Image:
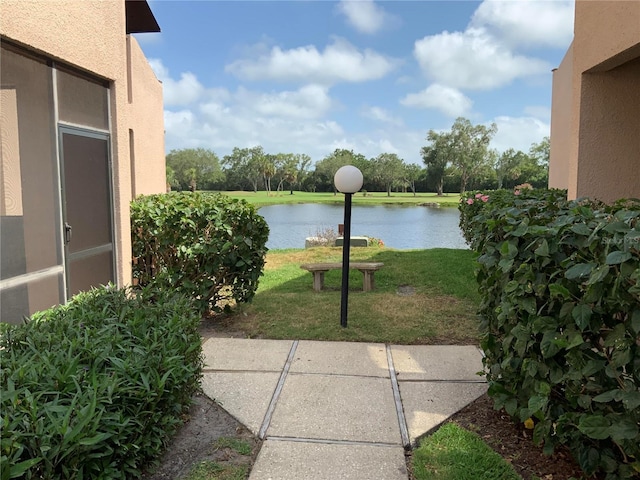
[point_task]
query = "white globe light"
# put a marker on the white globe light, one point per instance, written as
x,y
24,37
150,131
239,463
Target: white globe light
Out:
x,y
348,179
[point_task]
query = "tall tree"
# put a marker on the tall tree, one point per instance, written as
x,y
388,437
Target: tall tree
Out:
x,y
329,165
410,176
437,156
537,170
268,168
244,167
291,168
191,166
471,148
388,169
303,162
508,165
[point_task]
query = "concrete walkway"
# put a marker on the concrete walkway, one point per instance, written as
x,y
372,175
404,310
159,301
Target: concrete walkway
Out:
x,y
338,410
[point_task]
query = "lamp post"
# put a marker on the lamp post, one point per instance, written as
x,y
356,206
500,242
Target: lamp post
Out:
x,y
348,180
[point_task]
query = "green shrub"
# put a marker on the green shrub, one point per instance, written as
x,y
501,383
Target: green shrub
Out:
x,y
476,203
209,247
560,310
94,389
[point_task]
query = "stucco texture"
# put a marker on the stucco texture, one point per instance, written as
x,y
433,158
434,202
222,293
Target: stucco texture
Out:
x,y
595,124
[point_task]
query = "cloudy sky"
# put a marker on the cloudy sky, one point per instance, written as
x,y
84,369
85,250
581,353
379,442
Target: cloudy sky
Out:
x,y
372,76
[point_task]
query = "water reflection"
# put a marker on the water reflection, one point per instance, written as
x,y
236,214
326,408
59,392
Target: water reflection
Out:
x,y
399,227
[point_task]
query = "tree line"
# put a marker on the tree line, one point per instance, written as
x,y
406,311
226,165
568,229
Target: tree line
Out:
x,y
453,161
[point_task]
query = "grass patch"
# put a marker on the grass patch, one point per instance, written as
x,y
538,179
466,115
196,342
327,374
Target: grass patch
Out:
x,y
441,309
371,198
209,470
453,453
239,446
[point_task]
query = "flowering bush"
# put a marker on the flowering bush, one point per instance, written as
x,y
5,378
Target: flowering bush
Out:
x,y
375,242
517,190
560,320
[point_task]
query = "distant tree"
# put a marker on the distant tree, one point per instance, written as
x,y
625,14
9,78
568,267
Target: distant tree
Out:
x,y
508,165
172,182
537,169
437,156
470,148
244,166
329,165
388,169
291,168
268,168
191,166
541,151
410,175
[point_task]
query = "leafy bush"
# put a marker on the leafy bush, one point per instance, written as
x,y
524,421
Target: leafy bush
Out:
x,y
475,203
209,247
94,388
560,310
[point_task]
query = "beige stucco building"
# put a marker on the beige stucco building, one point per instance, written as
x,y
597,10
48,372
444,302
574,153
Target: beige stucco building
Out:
x,y
81,122
595,120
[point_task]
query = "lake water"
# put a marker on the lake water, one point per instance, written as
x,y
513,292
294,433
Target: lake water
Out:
x,y
400,227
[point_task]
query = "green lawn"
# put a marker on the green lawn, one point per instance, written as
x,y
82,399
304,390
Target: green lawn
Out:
x,y
442,308
372,198
453,453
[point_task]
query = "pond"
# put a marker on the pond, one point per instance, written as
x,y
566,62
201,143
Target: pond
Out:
x,y
401,227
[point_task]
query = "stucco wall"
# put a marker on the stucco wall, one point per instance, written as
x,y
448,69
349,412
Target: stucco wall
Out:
x,y
609,148
147,124
562,138
603,29
87,33
594,135
91,35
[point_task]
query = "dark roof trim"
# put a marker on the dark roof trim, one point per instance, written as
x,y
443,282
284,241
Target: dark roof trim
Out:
x,y
140,18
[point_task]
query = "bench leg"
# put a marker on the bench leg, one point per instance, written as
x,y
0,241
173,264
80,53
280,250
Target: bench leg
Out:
x,y
368,281
318,281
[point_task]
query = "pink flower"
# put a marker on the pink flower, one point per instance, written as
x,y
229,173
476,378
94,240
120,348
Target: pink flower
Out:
x,y
484,198
517,192
469,201
478,195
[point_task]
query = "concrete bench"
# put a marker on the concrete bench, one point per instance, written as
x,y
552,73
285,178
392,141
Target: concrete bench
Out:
x,y
367,268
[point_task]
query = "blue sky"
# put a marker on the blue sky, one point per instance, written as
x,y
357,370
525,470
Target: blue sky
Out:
x,y
372,76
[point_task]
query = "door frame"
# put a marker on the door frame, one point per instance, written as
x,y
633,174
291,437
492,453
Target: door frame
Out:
x,y
65,128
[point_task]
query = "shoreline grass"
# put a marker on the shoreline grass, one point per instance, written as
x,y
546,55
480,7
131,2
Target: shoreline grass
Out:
x,y
261,198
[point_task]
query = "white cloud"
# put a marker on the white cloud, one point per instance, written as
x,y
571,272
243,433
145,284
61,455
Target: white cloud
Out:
x,y
518,132
366,16
339,62
381,115
450,101
310,101
473,60
528,23
185,91
541,112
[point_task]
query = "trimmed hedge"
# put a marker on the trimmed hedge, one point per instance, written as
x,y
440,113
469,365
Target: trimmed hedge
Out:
x,y
560,319
206,246
95,388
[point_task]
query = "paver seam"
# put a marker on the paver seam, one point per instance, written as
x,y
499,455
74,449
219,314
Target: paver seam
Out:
x,y
402,421
438,380
224,370
344,375
331,442
276,394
